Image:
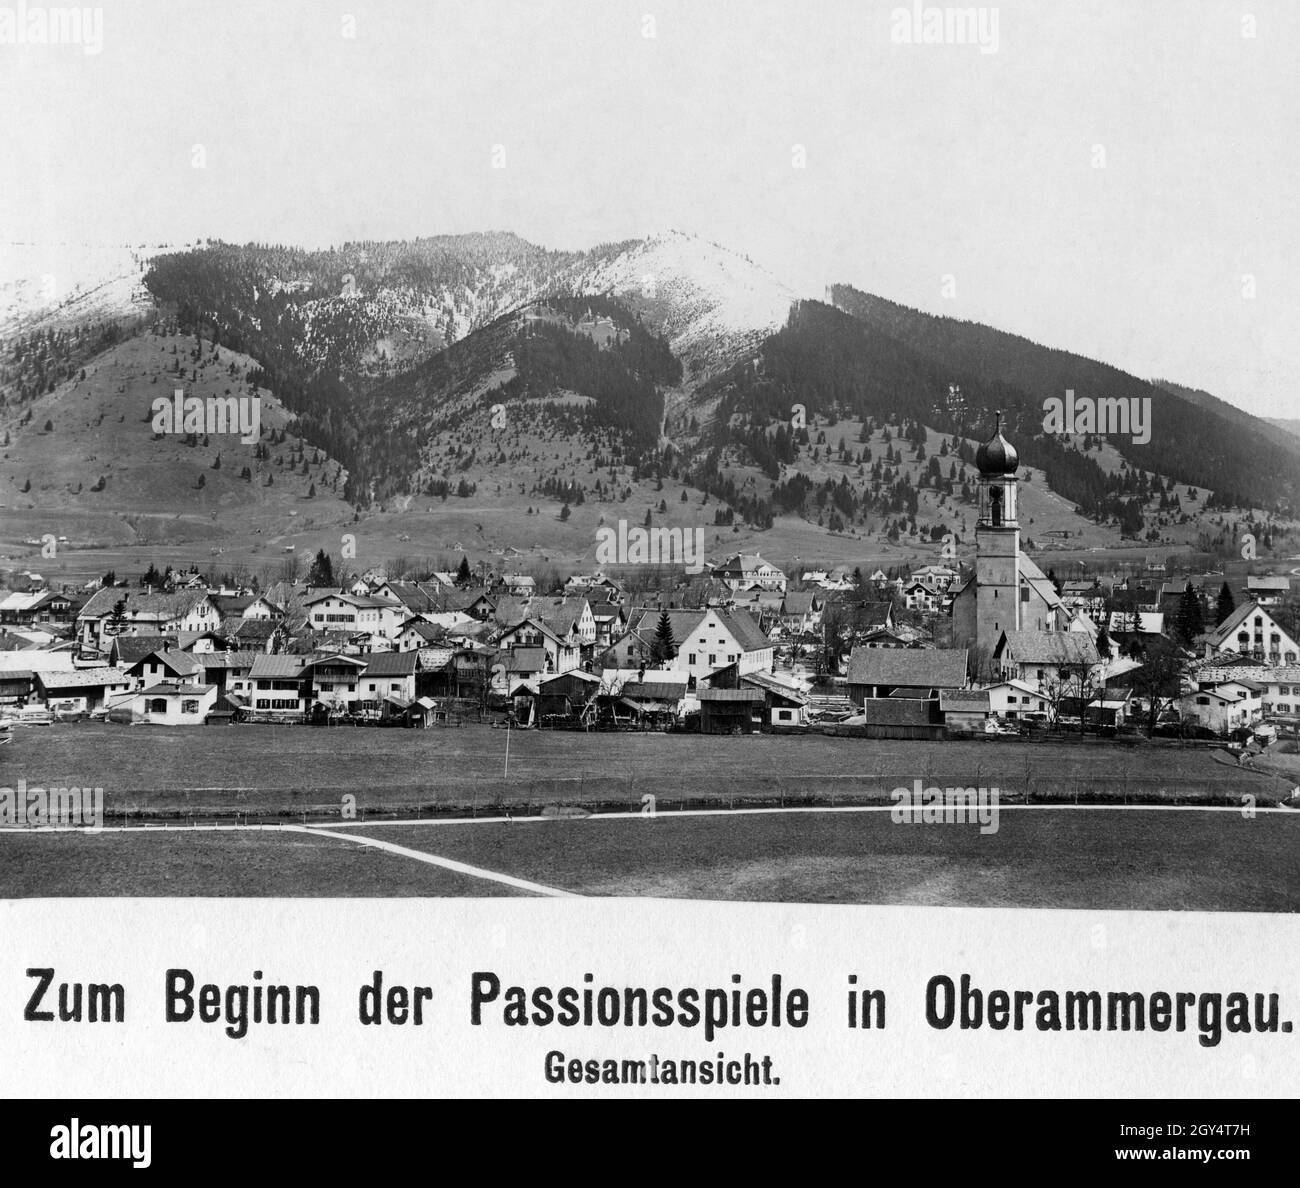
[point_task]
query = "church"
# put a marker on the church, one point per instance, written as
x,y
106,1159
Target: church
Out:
x,y
1008,593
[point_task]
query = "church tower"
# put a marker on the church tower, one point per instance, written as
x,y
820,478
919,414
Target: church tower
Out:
x,y
997,541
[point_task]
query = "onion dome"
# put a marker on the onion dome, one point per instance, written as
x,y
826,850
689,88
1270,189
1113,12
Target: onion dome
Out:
x,y
997,456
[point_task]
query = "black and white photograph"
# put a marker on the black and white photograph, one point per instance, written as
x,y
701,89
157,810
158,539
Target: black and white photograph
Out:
x,y
808,456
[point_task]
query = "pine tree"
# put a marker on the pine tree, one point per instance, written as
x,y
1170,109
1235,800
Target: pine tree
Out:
x,y
665,646
1225,605
463,574
321,572
1190,621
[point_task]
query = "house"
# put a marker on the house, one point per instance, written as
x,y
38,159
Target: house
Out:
x,y
229,671
964,710
559,653
334,610
40,608
126,650
784,706
610,621
652,703
417,599
1016,700
522,666
334,680
870,616
571,618
1085,598
801,611
747,571
920,673
594,587
940,577
277,685
389,680
1251,631
416,634
1225,706
82,690
166,664
891,637
705,640
519,585
173,703
1046,658
1266,589
764,606
1279,689
262,635
920,595
114,611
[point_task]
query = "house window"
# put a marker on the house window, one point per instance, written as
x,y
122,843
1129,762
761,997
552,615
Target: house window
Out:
x,y
158,705
691,658
713,659
190,705
784,715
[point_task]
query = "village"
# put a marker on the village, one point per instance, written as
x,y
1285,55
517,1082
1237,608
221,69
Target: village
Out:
x,y
992,647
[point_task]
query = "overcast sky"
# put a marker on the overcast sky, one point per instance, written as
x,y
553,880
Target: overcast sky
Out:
x,y
920,161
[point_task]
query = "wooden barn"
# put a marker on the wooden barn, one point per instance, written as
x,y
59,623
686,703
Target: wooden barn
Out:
x,y
732,711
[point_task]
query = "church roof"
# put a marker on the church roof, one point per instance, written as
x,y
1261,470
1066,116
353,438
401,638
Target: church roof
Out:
x,y
997,455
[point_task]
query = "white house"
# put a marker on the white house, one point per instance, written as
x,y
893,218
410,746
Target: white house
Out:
x,y
1013,700
1225,706
560,653
115,611
352,613
172,703
704,641
1252,631
746,571
167,665
276,685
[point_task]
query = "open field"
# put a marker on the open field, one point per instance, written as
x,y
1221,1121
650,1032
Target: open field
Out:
x,y
1051,858
202,862
296,772
1067,857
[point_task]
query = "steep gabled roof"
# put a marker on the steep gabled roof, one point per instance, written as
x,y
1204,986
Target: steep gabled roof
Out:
x,y
1048,647
387,664
82,678
167,605
277,667
181,663
920,668
1218,635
